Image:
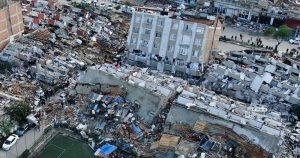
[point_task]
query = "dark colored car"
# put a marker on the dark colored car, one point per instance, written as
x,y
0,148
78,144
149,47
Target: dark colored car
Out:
x,y
22,129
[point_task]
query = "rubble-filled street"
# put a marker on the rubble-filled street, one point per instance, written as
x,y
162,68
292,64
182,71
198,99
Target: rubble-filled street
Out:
x,y
118,79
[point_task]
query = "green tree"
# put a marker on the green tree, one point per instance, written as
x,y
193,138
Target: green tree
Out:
x,y
5,127
296,110
127,3
281,33
18,112
4,67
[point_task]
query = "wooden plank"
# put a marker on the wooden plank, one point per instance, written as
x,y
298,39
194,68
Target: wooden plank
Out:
x,y
199,126
167,140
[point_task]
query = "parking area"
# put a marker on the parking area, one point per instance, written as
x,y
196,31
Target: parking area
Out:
x,y
24,142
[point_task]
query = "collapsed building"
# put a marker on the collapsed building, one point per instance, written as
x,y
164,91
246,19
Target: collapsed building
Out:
x,y
149,88
49,66
252,123
95,30
257,80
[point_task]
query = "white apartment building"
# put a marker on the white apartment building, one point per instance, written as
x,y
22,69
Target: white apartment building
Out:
x,y
170,42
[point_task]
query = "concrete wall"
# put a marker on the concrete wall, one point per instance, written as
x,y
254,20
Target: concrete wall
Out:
x,y
208,40
150,104
11,23
180,115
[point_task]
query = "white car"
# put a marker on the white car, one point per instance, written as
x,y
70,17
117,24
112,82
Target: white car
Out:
x,y
295,41
9,142
109,7
102,5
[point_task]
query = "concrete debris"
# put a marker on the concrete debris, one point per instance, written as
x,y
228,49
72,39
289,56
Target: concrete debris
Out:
x,y
70,68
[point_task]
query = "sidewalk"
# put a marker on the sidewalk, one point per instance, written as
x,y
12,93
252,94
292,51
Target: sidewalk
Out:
x,y
25,142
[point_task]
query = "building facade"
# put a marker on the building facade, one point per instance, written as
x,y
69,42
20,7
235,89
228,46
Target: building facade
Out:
x,y
187,2
11,22
166,42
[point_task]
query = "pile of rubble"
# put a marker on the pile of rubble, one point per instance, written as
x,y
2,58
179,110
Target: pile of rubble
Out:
x,y
80,28
41,63
153,80
255,79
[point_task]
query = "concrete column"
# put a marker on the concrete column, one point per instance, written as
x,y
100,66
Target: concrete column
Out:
x,y
272,20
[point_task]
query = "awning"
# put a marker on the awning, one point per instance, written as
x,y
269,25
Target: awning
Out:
x,y
293,23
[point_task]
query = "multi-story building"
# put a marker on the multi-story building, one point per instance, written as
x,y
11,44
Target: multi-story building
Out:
x,y
11,21
187,2
172,42
260,11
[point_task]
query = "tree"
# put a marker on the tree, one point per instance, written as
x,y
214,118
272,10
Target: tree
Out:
x,y
281,33
5,127
18,112
127,3
4,67
296,110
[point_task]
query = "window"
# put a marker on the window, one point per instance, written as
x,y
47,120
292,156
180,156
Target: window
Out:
x,y
144,43
198,42
170,48
135,30
149,21
183,50
137,19
147,32
160,22
186,40
195,53
187,28
244,14
175,25
156,45
173,37
158,34
133,41
200,30
180,62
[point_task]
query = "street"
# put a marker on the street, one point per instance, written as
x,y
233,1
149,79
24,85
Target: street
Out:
x,y
24,142
266,41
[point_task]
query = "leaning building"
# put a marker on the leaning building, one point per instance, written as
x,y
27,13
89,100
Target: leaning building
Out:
x,y
170,41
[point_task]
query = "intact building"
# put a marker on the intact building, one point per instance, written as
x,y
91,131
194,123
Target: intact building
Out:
x,y
11,21
168,41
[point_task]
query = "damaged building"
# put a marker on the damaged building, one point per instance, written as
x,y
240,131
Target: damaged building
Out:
x,y
173,42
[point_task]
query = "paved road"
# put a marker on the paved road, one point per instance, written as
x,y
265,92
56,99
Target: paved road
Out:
x,y
230,47
229,31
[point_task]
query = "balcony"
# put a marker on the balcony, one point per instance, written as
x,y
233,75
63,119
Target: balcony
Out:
x,y
168,67
153,64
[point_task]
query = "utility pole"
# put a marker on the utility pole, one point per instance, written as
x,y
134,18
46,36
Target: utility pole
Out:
x,y
215,26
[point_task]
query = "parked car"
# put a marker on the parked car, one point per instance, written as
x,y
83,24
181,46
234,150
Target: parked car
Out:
x,y
86,1
22,129
110,7
295,41
102,5
116,1
9,142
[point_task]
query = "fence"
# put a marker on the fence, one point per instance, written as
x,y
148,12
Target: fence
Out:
x,y
25,142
